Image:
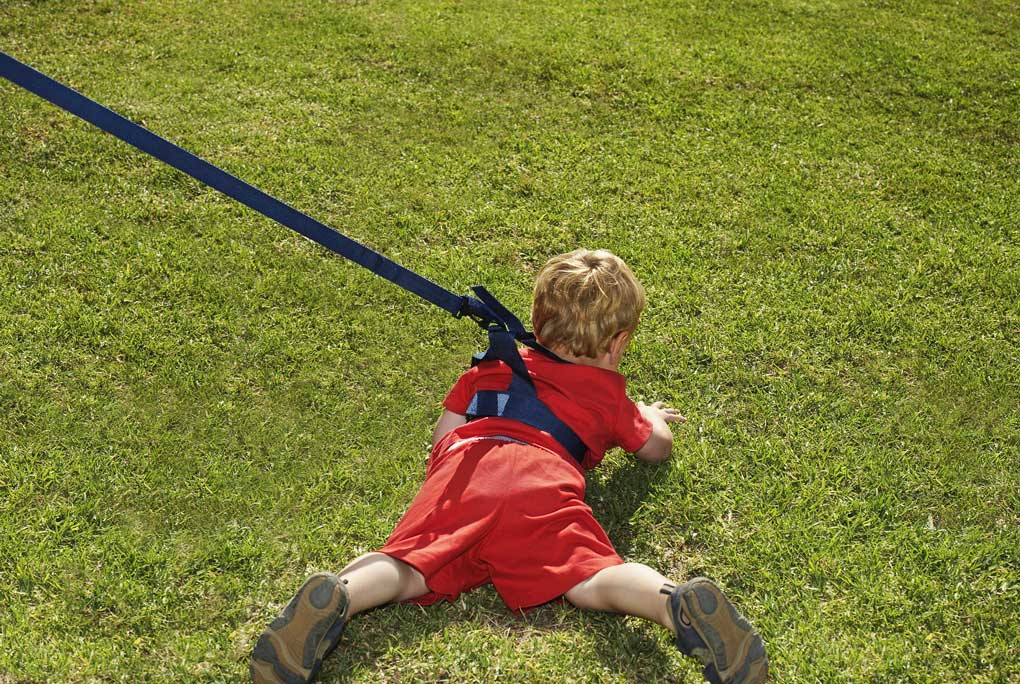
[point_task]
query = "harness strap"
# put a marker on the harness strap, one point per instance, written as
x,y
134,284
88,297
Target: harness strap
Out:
x,y
520,404
505,319
520,400
505,329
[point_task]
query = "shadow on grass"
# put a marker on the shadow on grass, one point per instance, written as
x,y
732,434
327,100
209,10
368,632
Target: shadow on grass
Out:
x,y
478,640
617,495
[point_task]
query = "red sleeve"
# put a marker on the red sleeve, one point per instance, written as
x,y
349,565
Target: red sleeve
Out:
x,y
632,429
459,396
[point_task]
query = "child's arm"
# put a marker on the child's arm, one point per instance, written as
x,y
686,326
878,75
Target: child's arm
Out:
x,y
660,442
448,421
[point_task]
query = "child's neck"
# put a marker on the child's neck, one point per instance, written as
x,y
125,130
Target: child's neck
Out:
x,y
608,361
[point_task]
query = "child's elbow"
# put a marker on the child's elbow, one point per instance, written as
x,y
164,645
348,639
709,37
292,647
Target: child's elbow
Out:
x,y
447,421
657,449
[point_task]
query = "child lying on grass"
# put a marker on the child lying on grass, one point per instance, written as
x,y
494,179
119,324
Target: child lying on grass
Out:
x,y
503,500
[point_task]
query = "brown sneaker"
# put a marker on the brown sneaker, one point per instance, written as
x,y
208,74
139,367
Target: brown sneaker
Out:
x,y
293,646
710,629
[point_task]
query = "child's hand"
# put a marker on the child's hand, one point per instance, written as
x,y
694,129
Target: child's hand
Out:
x,y
659,410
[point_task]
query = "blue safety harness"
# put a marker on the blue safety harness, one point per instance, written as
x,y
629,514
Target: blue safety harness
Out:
x,y
518,402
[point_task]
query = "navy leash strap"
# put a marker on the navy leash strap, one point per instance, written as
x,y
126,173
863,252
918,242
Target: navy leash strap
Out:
x,y
70,100
504,328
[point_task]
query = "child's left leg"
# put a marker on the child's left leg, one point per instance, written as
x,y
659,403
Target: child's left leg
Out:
x,y
376,579
701,617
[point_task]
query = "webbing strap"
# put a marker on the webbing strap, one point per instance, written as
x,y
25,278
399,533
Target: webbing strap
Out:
x,y
504,328
70,100
505,320
503,347
503,314
520,402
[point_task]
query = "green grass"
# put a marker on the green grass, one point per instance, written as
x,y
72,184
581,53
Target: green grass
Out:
x,y
198,408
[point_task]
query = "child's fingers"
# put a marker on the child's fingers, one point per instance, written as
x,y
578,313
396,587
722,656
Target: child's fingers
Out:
x,y
672,415
669,414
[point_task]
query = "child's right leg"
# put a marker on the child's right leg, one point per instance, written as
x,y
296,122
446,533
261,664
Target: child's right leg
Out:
x,y
293,646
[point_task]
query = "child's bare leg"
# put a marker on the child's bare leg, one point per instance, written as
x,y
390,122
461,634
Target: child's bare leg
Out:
x,y
293,646
705,624
376,579
631,588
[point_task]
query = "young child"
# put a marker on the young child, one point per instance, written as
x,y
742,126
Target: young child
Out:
x,y
503,501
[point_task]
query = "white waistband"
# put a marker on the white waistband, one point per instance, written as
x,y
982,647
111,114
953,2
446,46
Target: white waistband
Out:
x,y
480,438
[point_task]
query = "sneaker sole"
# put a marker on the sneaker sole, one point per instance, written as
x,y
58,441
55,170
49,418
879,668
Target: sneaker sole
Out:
x,y
737,649
293,646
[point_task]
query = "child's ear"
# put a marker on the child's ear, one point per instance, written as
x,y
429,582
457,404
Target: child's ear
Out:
x,y
619,343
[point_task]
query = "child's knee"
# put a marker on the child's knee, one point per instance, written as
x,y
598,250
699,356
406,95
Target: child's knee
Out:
x,y
581,596
586,595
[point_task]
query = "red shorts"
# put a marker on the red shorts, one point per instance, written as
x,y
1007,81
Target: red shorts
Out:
x,y
499,511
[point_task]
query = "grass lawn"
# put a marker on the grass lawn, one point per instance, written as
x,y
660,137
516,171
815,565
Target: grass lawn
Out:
x,y
198,407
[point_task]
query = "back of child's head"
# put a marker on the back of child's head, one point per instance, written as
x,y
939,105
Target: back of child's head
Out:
x,y
583,299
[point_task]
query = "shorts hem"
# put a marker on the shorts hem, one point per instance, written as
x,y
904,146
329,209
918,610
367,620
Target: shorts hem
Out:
x,y
555,588
436,592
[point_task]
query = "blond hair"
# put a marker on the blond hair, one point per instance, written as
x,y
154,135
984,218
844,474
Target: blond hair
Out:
x,y
583,299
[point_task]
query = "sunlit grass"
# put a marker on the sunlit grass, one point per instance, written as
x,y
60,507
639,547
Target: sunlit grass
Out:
x,y
197,407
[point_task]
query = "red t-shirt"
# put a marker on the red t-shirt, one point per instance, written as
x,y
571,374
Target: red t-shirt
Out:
x,y
592,401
